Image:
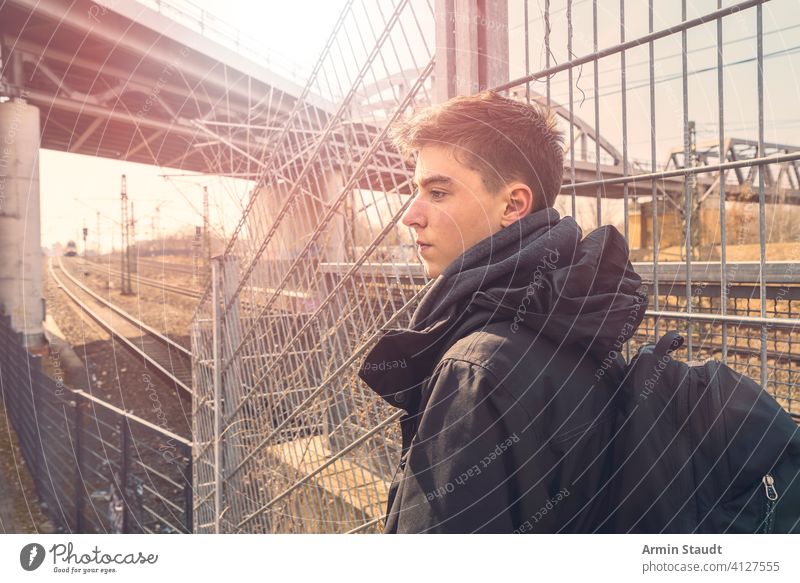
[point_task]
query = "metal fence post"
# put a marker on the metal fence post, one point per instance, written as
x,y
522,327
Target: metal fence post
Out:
x,y
231,379
35,379
124,428
79,494
217,355
188,493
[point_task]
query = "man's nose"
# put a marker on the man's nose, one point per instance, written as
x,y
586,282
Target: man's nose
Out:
x,y
415,213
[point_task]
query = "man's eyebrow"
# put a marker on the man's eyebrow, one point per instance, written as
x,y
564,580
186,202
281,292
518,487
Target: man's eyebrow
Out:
x,y
433,178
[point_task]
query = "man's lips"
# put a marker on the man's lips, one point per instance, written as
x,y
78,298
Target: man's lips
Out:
x,y
422,246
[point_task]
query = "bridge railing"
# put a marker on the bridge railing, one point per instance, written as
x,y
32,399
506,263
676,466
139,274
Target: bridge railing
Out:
x,y
217,29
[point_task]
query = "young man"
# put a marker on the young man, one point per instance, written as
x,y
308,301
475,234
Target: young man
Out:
x,y
506,362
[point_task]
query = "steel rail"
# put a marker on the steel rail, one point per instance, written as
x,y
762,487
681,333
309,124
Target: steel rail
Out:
x,y
164,340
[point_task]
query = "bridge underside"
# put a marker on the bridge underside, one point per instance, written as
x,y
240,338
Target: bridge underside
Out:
x,y
141,88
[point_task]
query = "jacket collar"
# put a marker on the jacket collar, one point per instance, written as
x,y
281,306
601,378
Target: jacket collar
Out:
x,y
403,359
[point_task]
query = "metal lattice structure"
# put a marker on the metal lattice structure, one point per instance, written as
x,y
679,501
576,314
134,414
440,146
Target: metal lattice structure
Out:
x,y
286,438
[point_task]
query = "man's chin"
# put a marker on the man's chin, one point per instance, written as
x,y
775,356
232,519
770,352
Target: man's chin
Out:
x,y
431,271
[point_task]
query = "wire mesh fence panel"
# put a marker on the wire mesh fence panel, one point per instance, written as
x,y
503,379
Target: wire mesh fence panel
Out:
x,y
96,468
287,438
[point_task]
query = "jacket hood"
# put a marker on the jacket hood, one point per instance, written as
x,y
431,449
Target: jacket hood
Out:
x,y
542,274
538,273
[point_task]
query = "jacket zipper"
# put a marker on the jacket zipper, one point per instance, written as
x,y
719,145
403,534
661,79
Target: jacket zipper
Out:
x,y
772,497
401,466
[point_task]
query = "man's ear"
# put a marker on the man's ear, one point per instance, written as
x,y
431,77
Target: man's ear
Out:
x,y
519,203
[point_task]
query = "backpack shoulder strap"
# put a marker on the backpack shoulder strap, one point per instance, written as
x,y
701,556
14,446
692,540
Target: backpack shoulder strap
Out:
x,y
669,342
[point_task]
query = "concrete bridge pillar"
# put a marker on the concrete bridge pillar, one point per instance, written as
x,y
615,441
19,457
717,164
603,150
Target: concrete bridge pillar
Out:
x,y
20,241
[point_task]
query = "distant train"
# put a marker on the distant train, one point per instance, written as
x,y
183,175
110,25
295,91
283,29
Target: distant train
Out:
x,y
71,250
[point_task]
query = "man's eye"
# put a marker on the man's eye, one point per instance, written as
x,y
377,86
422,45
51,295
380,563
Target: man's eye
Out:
x,y
437,194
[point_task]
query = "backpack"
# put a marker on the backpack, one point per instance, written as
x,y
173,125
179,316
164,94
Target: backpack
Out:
x,y
701,449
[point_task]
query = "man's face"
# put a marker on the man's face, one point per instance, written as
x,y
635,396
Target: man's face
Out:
x,y
451,211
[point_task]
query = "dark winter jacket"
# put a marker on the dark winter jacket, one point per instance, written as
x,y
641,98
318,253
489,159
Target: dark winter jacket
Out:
x,y
504,382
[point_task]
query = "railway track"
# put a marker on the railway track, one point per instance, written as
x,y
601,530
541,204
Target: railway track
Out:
x,y
293,300
174,267
170,359
142,280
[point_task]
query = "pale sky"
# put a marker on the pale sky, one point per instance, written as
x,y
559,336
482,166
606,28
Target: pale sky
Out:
x,y
295,32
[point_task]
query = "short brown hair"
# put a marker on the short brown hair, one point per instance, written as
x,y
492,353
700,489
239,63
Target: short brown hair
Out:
x,y
502,139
